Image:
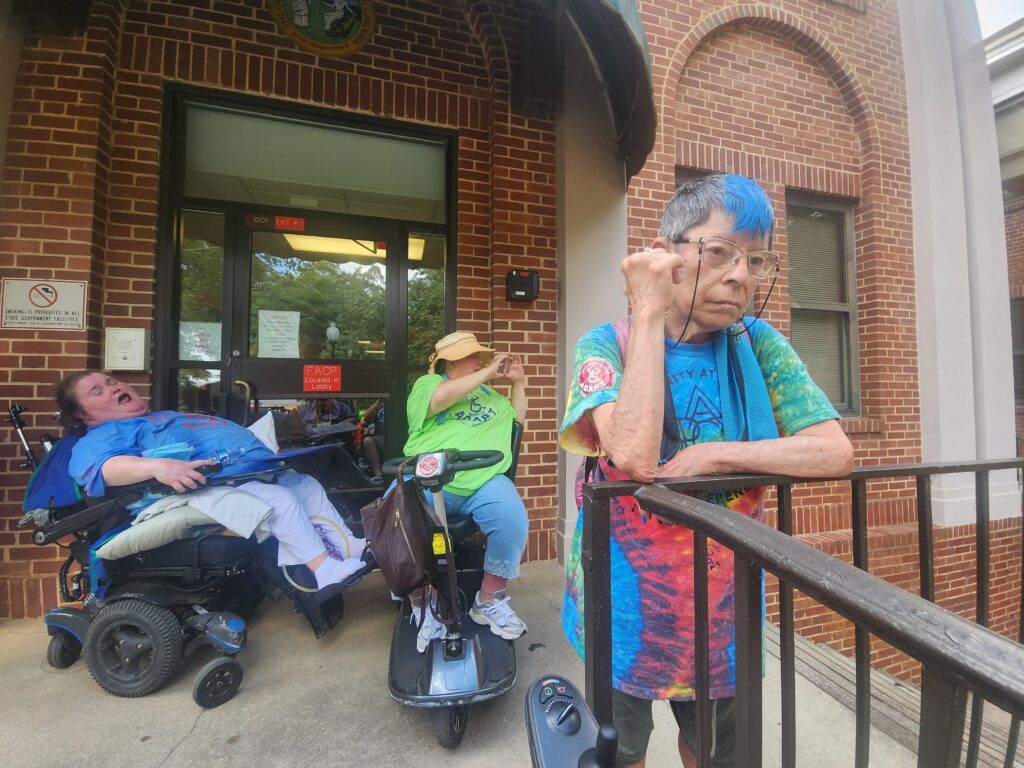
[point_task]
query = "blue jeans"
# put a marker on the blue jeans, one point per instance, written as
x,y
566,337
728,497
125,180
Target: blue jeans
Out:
x,y
499,512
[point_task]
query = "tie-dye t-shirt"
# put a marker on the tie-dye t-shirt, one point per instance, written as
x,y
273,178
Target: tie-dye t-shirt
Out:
x,y
652,562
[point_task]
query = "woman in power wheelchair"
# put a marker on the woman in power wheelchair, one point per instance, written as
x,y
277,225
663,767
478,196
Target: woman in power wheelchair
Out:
x,y
144,607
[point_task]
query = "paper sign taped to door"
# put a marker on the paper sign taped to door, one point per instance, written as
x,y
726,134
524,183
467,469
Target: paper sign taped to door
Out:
x,y
321,378
278,333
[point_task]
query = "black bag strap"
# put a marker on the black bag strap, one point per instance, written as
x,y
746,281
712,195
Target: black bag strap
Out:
x,y
671,437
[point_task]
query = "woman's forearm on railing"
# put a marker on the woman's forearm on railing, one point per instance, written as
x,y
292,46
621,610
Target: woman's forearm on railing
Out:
x,y
821,450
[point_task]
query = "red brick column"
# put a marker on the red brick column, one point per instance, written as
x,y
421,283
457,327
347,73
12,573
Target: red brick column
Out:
x,y
53,225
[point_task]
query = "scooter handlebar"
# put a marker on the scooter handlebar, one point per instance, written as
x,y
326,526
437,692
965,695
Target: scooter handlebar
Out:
x,y
467,460
476,460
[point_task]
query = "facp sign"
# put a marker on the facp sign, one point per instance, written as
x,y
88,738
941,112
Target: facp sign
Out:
x,y
321,378
42,304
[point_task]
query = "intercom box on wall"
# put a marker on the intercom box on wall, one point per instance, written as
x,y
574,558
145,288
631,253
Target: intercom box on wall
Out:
x,y
522,285
126,349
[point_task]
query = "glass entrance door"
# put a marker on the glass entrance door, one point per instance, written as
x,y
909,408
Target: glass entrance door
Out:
x,y
305,259
310,308
284,309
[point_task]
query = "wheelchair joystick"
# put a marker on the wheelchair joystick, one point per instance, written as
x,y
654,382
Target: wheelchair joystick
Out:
x,y
602,755
562,729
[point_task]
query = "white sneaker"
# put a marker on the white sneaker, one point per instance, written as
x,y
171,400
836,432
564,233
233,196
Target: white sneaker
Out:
x,y
498,614
430,629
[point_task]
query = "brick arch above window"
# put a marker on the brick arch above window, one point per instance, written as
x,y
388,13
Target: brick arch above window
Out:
x,y
805,37
754,92
486,28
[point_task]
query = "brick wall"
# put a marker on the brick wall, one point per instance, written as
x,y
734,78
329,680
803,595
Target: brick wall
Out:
x,y
809,96
79,193
1014,219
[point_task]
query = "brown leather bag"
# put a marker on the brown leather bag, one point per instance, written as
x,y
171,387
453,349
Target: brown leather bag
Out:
x,y
395,527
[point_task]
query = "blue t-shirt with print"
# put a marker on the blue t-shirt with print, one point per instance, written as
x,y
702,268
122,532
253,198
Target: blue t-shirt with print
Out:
x,y
211,437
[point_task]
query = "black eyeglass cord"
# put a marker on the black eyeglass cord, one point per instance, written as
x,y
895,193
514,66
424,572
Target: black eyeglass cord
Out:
x,y
725,331
696,282
746,328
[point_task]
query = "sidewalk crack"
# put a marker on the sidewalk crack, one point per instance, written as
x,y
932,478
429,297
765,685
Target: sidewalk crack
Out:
x,y
182,740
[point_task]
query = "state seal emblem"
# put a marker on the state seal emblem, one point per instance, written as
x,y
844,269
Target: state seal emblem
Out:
x,y
327,27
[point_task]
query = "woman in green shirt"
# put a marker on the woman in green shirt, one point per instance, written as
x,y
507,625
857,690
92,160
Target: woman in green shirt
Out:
x,y
453,406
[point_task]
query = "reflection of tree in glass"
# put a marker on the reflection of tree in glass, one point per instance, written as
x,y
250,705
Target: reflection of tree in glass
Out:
x,y
322,292
426,315
201,272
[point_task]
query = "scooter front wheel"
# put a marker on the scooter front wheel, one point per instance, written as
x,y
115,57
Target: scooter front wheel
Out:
x,y
450,726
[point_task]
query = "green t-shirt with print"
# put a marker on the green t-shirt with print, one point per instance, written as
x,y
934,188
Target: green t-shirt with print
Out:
x,y
480,421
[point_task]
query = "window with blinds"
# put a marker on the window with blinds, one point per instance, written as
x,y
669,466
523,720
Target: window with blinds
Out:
x,y
823,306
1017,336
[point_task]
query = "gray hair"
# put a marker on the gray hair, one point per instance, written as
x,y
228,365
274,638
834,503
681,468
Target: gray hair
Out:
x,y
694,201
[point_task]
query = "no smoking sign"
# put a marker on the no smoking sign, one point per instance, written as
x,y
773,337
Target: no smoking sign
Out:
x,y
42,304
42,295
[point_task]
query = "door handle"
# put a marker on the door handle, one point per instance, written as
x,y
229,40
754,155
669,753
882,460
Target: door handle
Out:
x,y
247,390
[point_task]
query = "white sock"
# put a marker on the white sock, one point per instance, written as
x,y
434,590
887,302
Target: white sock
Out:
x,y
340,544
332,571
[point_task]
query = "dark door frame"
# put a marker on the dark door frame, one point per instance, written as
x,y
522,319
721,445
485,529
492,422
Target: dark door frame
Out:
x,y
177,98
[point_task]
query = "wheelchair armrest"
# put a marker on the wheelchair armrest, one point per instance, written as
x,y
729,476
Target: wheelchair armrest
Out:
x,y
152,485
77,521
99,507
121,495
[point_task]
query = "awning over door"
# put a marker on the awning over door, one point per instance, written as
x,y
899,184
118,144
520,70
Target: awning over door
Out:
x,y
613,32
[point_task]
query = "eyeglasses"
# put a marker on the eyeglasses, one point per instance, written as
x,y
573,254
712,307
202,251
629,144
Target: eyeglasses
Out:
x,y
722,254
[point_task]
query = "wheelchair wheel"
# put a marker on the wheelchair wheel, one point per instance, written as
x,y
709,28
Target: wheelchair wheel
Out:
x,y
133,647
63,650
450,725
217,682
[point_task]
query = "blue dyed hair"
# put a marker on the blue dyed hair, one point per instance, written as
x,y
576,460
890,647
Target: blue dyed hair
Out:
x,y
738,196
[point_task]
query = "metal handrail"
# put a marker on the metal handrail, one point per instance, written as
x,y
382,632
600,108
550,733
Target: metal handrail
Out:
x,y
957,655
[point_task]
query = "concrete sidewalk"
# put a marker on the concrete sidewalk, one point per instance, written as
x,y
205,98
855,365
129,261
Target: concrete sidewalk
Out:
x,y
325,703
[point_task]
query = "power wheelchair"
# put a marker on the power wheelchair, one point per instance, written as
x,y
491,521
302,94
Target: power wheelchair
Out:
x,y
141,614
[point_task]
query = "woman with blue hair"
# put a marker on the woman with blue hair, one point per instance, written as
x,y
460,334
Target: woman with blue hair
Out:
x,y
689,385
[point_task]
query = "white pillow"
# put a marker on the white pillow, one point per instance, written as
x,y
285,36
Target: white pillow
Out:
x,y
155,532
263,428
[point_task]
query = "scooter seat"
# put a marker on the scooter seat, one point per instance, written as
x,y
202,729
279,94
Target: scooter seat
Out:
x,y
462,528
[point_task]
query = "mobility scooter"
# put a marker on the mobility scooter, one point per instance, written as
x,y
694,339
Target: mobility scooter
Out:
x,y
468,663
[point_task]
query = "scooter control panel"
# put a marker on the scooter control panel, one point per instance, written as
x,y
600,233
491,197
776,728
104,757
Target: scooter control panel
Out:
x,y
561,728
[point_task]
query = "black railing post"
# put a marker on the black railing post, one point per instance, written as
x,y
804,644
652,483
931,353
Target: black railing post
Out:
x,y
787,648
702,694
925,537
943,707
862,639
1011,742
981,502
749,580
596,559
